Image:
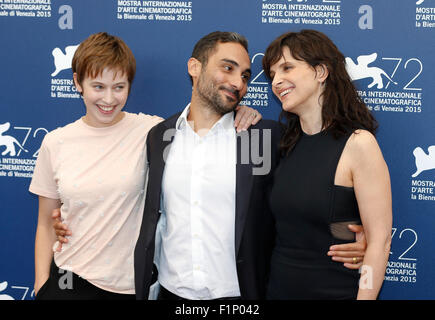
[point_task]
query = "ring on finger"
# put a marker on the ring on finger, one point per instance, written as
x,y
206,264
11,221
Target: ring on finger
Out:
x,y
354,260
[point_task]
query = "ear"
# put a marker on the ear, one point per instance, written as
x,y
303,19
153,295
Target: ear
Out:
x,y
76,83
194,67
322,72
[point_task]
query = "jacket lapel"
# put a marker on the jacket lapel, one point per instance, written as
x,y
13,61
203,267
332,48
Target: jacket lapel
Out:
x,y
244,183
158,156
166,137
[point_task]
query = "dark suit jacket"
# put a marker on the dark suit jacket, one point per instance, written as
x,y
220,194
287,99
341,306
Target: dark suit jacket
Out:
x,y
253,226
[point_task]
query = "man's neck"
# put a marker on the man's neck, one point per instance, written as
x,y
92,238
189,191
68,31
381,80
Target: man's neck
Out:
x,y
202,118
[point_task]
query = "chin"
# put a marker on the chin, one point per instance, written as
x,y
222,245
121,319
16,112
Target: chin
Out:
x,y
222,108
288,107
230,108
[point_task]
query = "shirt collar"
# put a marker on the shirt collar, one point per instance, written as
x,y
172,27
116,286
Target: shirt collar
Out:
x,y
226,122
182,119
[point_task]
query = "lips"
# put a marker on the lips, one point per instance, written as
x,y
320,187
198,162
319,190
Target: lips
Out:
x,y
233,94
106,109
285,92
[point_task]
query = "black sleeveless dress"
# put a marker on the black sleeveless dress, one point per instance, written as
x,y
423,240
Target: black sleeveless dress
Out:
x,y
311,214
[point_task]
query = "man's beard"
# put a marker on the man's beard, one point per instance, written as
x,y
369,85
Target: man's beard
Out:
x,y
214,100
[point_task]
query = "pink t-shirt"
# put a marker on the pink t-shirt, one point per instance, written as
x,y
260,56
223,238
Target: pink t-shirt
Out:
x,y
99,174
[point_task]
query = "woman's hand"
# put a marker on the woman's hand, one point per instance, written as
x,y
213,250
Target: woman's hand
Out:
x,y
246,117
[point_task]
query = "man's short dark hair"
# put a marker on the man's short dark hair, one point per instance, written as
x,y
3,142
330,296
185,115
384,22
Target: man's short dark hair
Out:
x,y
207,44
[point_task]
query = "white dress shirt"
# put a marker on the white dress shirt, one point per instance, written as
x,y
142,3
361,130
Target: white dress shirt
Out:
x,y
197,257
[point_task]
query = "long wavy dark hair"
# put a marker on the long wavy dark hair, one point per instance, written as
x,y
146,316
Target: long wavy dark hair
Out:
x,y
342,108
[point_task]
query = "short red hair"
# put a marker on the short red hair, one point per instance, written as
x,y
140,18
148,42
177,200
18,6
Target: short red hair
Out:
x,y
100,51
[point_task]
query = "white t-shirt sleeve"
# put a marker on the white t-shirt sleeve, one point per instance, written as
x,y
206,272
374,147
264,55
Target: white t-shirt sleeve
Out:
x,y
43,182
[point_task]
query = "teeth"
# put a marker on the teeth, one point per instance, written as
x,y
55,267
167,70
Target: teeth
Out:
x,y
282,94
106,108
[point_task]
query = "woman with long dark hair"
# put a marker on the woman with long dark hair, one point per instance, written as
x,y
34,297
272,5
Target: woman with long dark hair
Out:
x,y
332,174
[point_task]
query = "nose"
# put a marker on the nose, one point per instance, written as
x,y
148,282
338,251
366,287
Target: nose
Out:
x,y
277,81
109,96
237,82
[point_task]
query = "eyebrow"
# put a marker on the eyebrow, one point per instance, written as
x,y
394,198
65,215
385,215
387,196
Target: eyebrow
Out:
x,y
99,82
281,65
234,63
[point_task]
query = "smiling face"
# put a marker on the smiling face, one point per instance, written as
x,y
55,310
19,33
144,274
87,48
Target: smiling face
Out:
x,y
104,97
222,82
297,84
